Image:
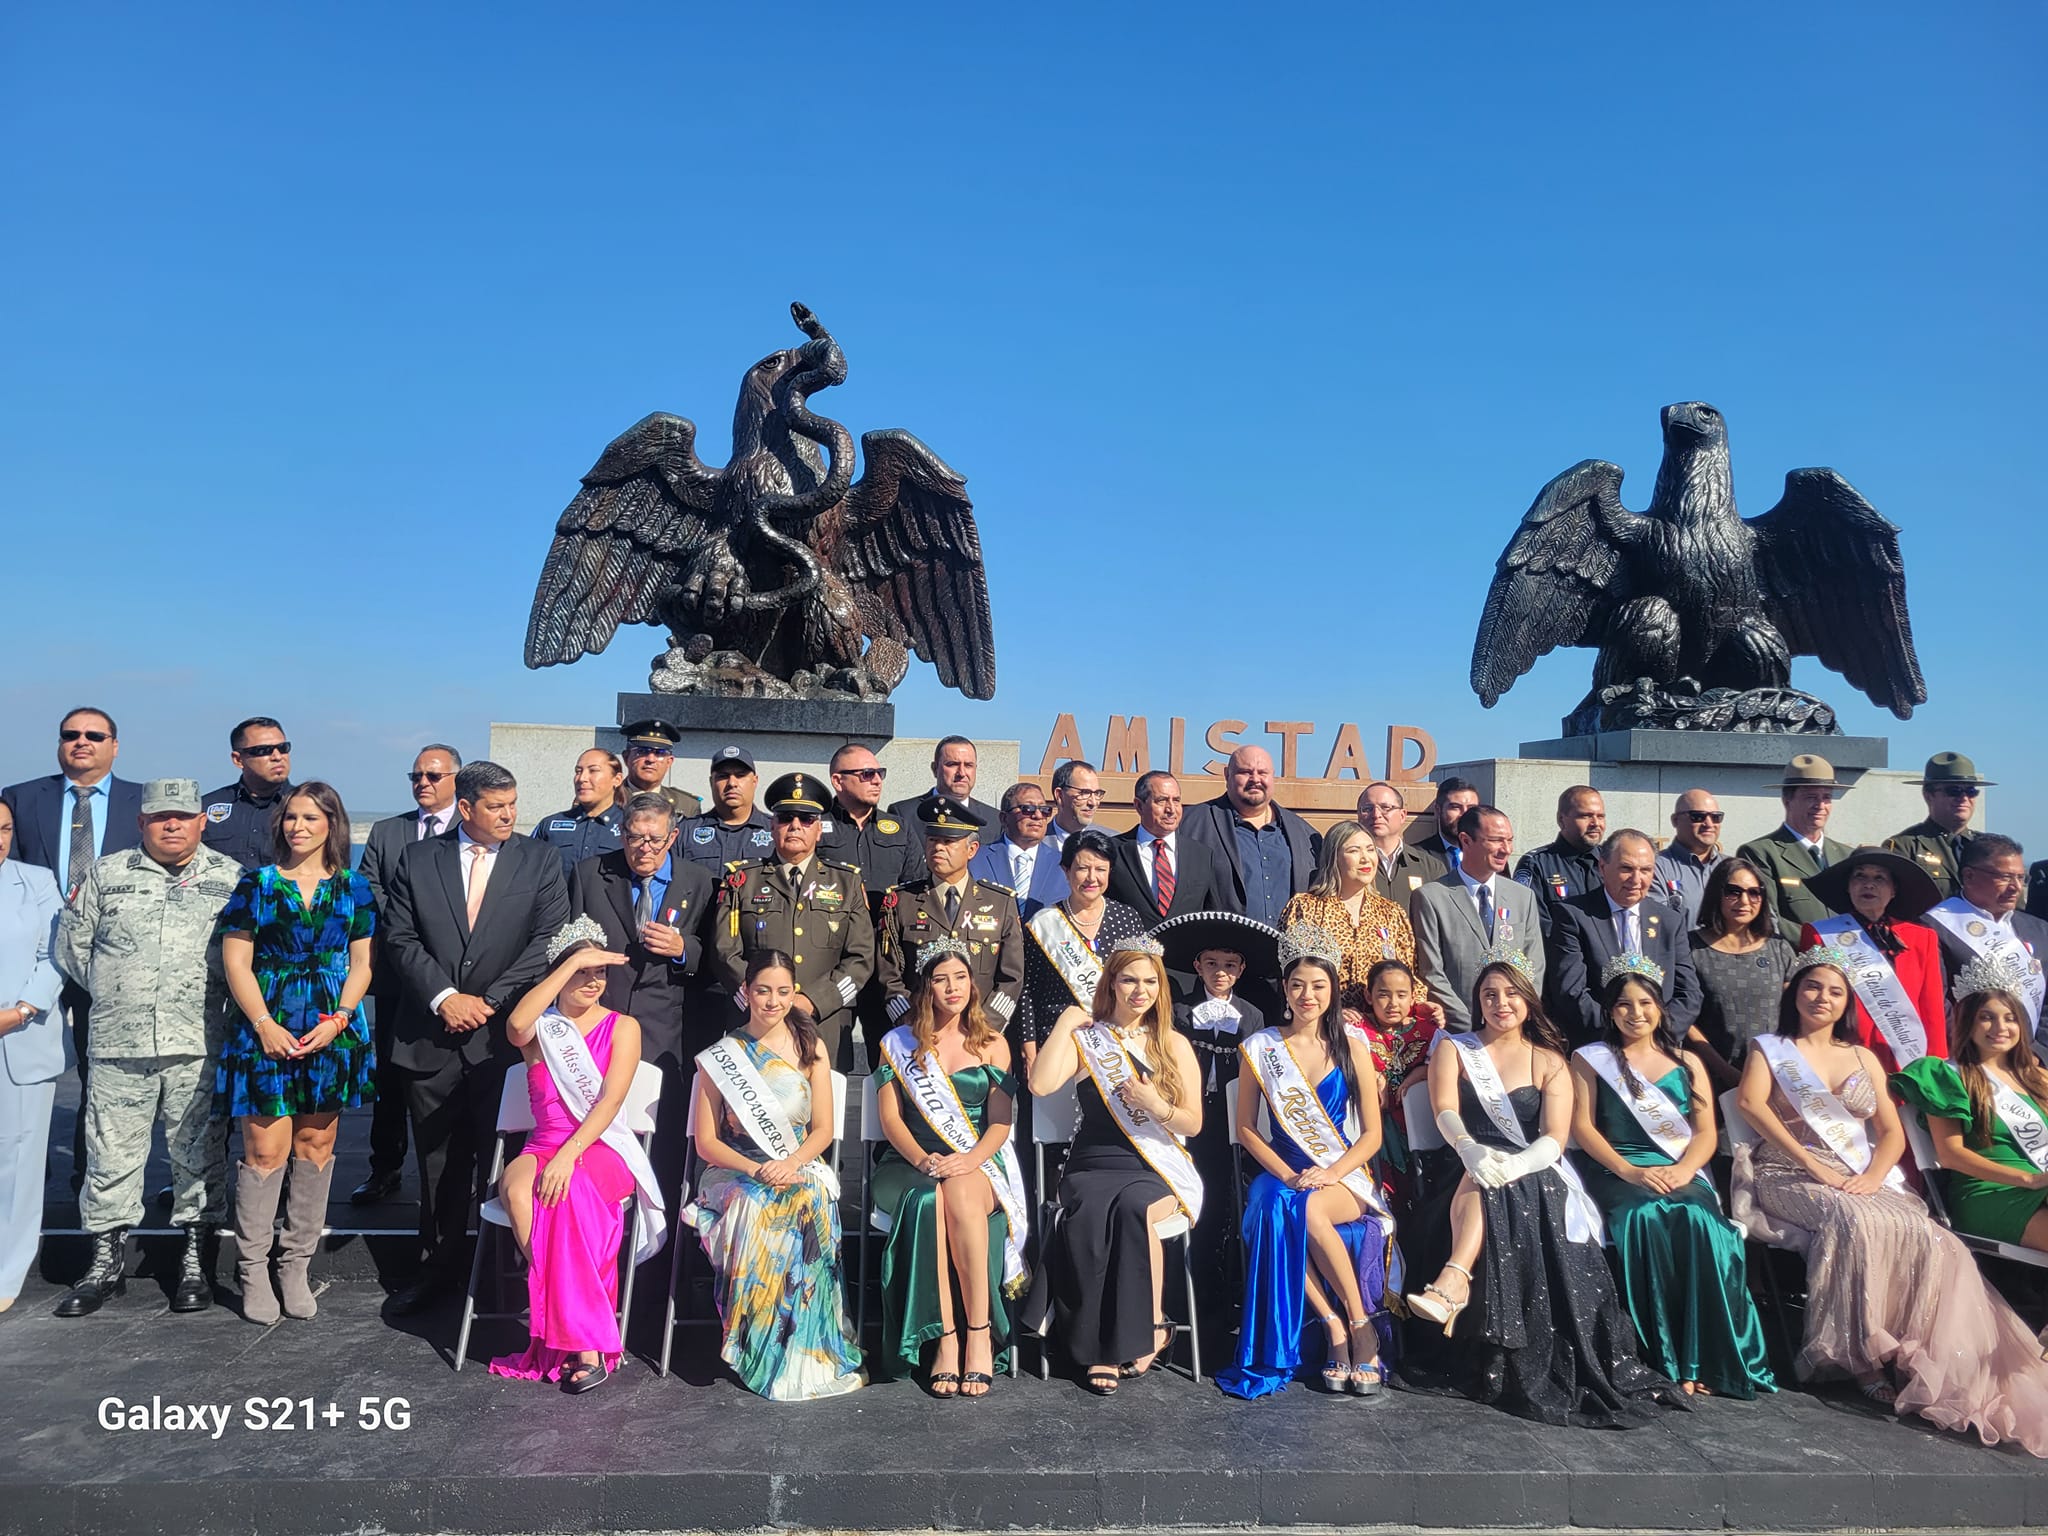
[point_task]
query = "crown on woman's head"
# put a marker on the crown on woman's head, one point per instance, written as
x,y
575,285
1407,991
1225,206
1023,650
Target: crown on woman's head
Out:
x,y
929,955
1505,951
581,929
1141,944
1824,954
1309,941
1999,971
1633,963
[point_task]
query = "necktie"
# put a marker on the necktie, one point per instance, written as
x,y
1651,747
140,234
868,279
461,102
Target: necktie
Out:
x,y
479,877
1162,874
1457,857
82,840
1020,866
426,826
1631,941
1820,854
794,876
643,901
1485,895
952,905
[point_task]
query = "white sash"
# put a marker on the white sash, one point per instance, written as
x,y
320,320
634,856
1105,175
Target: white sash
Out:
x,y
1878,989
1111,1063
567,1057
1582,1222
1299,1108
930,1090
1981,936
1653,1108
1062,944
754,1105
1828,1115
2023,1120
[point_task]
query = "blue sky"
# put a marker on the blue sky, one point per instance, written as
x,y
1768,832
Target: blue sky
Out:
x,y
1255,333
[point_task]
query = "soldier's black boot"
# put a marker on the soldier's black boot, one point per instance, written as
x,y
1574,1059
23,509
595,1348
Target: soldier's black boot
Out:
x,y
194,1290
106,1278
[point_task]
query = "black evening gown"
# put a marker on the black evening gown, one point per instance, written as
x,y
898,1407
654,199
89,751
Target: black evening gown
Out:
x,y
1545,1337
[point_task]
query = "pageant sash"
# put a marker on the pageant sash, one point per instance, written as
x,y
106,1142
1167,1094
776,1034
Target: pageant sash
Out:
x,y
1981,936
931,1092
1297,1106
2023,1120
1827,1115
1653,1108
1063,944
1582,1222
1112,1063
754,1105
1878,989
576,1077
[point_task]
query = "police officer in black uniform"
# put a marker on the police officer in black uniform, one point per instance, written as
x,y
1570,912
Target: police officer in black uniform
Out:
x,y
238,815
885,851
650,753
811,908
951,902
1568,865
583,831
734,830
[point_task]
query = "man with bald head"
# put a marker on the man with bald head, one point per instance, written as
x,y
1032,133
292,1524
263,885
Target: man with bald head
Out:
x,y
1269,852
1623,913
1682,868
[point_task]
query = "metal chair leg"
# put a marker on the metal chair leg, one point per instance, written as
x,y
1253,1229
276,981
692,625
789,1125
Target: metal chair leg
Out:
x,y
476,1269
1187,1270
675,1281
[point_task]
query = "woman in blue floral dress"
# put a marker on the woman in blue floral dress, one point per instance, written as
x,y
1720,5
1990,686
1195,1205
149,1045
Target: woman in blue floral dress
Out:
x,y
295,943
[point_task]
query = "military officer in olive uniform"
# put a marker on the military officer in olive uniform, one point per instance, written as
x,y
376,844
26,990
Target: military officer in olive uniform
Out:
x,y
1801,848
650,753
734,830
813,909
1953,789
950,902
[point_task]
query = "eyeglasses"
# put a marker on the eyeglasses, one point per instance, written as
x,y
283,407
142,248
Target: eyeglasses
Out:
x,y
267,749
801,818
1716,817
1083,794
865,775
641,749
1374,808
1743,893
1953,791
1033,811
426,778
92,736
645,840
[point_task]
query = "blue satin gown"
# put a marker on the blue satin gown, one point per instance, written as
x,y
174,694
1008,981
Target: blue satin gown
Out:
x,y
1269,1345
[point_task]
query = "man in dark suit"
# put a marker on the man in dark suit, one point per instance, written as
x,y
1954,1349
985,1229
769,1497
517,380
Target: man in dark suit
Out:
x,y
954,766
656,908
1984,915
1399,868
63,822
469,917
1267,852
1160,871
433,792
1801,848
1024,859
1454,797
1623,913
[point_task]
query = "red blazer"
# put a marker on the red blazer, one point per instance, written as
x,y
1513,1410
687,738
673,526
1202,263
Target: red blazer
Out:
x,y
1920,973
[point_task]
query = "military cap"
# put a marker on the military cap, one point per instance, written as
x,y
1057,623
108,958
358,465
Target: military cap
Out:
x,y
1952,768
651,733
796,792
177,796
1809,770
947,819
732,754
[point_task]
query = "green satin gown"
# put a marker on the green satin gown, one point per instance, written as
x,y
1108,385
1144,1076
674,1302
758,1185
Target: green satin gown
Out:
x,y
1679,1261
1980,1207
910,1274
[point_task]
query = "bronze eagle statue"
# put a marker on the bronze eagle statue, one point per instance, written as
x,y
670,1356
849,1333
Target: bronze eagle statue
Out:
x,y
1691,592
778,575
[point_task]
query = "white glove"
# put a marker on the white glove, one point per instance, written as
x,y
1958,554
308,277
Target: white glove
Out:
x,y
1451,1125
1541,1153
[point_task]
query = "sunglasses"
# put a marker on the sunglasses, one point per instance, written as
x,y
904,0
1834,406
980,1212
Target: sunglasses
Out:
x,y
426,778
1743,893
92,736
1716,817
865,775
268,749
1957,791
801,818
1033,811
640,749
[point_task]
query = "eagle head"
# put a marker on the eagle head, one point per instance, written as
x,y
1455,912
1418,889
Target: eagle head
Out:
x,y
1689,421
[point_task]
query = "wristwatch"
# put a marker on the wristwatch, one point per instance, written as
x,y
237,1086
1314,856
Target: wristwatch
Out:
x,y
29,1014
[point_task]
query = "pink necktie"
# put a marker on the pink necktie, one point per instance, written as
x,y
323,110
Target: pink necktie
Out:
x,y
479,877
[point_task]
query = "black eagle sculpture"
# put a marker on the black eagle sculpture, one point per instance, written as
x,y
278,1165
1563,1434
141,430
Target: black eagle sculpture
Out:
x,y
777,576
1697,612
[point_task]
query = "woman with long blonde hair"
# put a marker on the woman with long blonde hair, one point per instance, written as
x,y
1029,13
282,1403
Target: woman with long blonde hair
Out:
x,y
1128,1168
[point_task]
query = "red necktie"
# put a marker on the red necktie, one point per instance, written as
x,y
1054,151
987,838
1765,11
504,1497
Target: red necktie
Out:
x,y
1162,874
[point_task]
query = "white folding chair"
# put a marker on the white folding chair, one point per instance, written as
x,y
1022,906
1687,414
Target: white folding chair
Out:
x,y
1920,1147
515,1117
689,1246
1738,1132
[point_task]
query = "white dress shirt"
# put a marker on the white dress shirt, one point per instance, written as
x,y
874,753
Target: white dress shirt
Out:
x,y
1628,925
1021,862
1148,854
472,867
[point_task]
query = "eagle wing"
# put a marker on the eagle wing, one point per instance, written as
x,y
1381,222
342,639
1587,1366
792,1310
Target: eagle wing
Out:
x,y
1835,587
644,508
907,536
1559,579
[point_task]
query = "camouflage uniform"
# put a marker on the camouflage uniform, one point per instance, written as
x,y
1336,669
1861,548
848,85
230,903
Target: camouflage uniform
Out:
x,y
140,939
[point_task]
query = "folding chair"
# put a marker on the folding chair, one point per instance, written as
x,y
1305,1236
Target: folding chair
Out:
x,y
1053,1118
1740,1133
688,1246
1920,1147
515,1117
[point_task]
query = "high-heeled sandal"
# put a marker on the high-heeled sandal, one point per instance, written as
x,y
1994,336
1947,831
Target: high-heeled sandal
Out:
x,y
1366,1375
981,1379
1101,1380
1438,1307
1336,1377
1130,1370
1880,1392
938,1379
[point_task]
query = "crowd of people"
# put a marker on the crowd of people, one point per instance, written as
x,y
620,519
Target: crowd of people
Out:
x,y
1420,1120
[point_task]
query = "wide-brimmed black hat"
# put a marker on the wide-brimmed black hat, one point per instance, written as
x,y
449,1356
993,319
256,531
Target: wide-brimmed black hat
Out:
x,y
1913,890
1186,936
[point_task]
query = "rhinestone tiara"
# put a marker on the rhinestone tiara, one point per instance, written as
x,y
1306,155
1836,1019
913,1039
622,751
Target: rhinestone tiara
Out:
x,y
1505,951
931,954
1309,941
1999,971
581,929
1632,963
1141,944
1824,954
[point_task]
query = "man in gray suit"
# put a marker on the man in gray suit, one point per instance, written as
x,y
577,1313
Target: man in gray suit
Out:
x,y
1459,918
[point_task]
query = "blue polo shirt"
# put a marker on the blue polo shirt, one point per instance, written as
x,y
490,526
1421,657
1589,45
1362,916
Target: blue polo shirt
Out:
x,y
1268,865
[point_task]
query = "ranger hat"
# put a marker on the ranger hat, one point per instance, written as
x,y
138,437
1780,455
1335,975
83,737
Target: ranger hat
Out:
x,y
796,792
179,796
1951,768
651,733
1913,890
1809,770
947,819
732,754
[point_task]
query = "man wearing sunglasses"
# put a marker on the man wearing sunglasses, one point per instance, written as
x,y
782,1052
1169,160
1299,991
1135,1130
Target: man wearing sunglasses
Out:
x,y
1953,789
882,846
1024,859
1682,868
238,815
650,753
432,783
